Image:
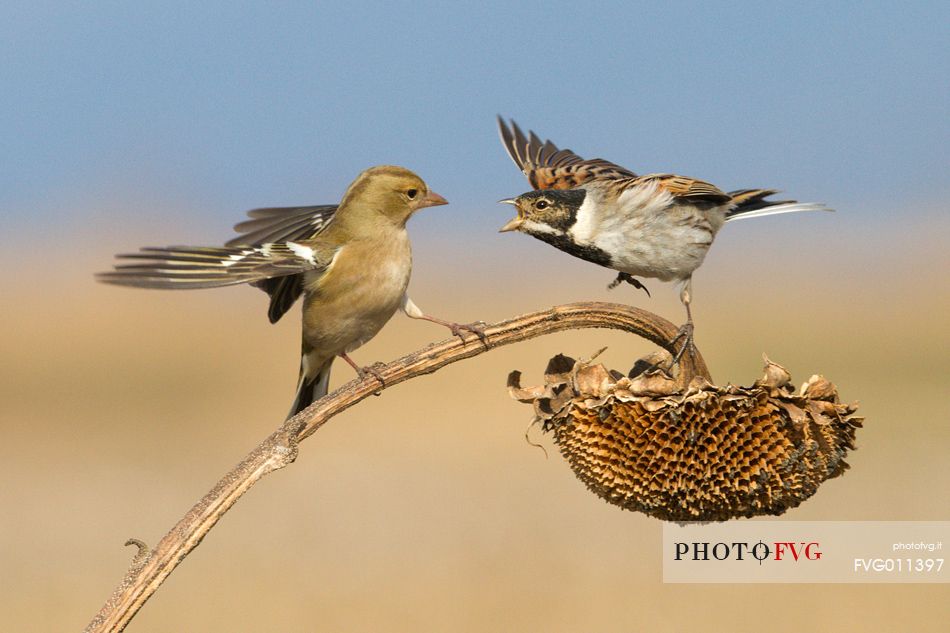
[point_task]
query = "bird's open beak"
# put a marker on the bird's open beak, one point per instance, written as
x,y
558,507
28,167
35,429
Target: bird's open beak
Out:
x,y
514,223
432,199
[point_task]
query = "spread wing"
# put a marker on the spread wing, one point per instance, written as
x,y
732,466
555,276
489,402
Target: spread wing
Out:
x,y
548,167
188,267
282,224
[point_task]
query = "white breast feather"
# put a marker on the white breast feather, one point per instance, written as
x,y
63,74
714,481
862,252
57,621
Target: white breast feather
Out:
x,y
645,231
609,225
587,220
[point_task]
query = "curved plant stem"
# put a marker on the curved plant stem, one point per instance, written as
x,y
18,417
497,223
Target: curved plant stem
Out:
x,y
150,568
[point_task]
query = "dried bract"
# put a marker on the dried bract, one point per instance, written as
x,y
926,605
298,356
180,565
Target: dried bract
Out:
x,y
707,454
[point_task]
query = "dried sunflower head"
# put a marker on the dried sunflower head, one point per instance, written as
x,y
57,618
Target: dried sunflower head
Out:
x,y
704,454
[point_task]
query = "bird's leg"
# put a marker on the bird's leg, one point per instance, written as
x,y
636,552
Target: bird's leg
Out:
x,y
630,279
363,371
413,311
686,330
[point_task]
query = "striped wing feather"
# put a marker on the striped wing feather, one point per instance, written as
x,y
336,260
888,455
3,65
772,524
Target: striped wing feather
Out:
x,y
686,188
548,167
282,224
188,267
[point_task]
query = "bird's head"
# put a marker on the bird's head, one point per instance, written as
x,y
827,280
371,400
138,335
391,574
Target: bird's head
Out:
x,y
545,212
394,192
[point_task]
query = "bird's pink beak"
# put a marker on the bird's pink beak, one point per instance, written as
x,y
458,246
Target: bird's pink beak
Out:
x,y
432,199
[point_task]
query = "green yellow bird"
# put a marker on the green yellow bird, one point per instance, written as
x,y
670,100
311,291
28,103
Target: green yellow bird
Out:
x,y
351,263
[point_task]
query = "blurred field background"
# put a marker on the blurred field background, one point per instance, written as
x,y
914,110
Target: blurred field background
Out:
x,y
425,509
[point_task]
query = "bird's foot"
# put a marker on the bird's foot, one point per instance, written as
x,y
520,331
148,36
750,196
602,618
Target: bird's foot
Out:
x,y
474,328
362,372
630,279
686,334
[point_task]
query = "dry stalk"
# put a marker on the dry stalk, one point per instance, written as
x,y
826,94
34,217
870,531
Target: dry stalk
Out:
x,y
151,568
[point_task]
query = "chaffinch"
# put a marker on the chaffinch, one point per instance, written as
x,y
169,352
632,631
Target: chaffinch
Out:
x,y
351,263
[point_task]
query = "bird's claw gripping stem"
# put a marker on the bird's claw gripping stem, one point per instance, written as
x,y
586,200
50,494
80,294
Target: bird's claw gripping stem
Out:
x,y
474,328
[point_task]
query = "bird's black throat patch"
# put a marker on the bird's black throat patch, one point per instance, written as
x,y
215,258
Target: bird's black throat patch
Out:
x,y
560,215
563,241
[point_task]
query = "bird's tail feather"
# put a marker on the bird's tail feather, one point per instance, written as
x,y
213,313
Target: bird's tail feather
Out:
x,y
751,203
311,386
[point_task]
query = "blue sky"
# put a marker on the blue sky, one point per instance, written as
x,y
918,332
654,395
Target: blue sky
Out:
x,y
218,107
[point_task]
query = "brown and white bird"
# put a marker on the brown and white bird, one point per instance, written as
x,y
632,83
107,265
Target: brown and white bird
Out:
x,y
350,262
658,225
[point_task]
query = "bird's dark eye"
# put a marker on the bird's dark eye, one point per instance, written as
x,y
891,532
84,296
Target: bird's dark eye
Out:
x,y
541,204
412,193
